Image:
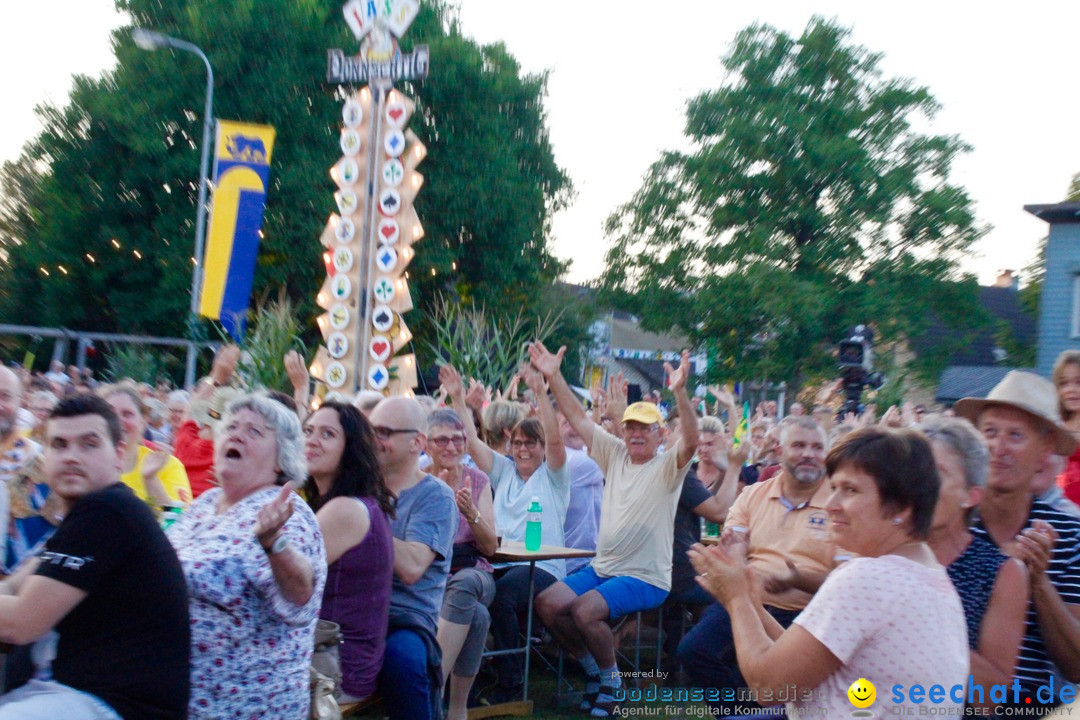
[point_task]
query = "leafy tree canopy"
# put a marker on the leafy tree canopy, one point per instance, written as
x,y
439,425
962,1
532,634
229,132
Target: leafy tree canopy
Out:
x,y
97,218
805,204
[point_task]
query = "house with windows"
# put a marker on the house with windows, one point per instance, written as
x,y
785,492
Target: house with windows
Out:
x,y
1059,305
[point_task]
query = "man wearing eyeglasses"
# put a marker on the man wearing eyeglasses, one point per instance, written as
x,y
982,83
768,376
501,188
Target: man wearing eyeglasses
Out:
x,y
632,567
424,525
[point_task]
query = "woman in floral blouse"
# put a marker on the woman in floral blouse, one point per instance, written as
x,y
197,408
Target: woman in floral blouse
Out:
x,y
255,567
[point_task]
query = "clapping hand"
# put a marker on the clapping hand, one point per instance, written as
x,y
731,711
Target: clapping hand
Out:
x,y
478,395
273,516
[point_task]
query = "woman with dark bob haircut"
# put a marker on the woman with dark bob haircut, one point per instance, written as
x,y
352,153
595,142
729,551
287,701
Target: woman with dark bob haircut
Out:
x,y
345,489
890,615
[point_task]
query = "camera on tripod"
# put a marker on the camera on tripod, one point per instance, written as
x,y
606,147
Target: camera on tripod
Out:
x,y
856,360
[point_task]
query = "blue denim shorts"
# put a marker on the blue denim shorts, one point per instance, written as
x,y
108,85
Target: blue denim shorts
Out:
x,y
623,594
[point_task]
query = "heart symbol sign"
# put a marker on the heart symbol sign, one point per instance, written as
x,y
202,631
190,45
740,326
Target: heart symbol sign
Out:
x,y
387,230
396,113
379,347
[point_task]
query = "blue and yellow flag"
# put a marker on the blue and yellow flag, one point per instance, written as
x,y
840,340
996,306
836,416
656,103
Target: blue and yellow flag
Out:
x,y
241,178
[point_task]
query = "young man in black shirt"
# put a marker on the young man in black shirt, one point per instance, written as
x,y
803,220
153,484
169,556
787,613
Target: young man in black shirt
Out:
x,y
107,581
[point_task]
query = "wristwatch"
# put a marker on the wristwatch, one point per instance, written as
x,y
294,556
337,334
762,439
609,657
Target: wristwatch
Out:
x,y
476,520
278,546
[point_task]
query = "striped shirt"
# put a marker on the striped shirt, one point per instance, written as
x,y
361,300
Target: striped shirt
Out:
x,y
1035,666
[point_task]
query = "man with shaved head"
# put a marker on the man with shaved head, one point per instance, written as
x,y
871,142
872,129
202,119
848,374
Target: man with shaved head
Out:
x,y
424,526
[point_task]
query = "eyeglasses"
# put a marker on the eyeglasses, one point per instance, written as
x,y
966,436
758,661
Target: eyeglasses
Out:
x,y
518,444
385,433
445,440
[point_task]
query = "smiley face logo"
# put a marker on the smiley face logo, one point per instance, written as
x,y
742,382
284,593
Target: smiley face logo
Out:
x,y
862,693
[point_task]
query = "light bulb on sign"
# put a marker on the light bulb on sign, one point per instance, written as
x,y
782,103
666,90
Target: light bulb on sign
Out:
x,y
404,336
417,232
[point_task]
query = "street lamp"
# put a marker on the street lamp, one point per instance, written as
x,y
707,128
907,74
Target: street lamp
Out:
x,y
151,40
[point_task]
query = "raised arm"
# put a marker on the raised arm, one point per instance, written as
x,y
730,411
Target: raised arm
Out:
x,y
221,372
300,381
554,449
688,427
549,364
482,455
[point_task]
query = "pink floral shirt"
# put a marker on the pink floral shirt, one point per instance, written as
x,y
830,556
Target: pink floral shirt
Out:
x,y
250,647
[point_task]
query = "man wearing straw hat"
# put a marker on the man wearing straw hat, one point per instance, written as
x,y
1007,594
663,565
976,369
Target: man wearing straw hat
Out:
x,y
1020,422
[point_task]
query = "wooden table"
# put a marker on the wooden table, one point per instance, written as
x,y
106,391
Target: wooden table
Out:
x,y
514,552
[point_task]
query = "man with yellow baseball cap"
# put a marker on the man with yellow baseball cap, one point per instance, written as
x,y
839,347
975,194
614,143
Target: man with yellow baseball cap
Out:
x,y
632,567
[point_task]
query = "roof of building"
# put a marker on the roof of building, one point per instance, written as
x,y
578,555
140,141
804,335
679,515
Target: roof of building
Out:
x,y
1003,305
961,381
1064,212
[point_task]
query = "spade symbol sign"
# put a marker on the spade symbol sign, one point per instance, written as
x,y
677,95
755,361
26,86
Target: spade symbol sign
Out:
x,y
389,202
382,318
386,259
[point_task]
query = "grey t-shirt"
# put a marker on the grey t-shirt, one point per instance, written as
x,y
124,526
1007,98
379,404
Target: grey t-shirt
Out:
x,y
425,513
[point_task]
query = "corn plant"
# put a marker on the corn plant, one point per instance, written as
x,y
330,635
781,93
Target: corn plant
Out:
x,y
276,331
481,344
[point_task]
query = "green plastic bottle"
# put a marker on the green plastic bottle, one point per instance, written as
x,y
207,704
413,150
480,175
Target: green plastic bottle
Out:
x,y
532,525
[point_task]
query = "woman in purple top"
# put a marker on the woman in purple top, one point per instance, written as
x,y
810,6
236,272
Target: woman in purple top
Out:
x,y
464,619
345,489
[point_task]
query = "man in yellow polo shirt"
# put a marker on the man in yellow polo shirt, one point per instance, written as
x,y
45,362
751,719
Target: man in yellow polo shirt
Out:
x,y
785,526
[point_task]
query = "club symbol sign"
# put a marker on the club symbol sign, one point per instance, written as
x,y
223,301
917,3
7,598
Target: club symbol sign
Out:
x,y
384,290
341,287
339,316
380,348
389,202
350,142
336,374
338,345
352,114
346,200
389,231
396,115
394,143
386,258
392,172
343,259
345,230
378,377
382,318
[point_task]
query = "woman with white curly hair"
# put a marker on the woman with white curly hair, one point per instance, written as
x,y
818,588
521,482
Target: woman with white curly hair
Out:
x,y
255,566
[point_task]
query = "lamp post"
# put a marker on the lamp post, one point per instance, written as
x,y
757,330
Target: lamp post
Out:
x,y
151,40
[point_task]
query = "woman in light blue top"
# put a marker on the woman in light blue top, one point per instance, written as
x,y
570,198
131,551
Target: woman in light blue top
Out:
x,y
538,469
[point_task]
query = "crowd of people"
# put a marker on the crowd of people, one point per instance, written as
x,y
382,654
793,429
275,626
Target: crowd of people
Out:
x,y
170,554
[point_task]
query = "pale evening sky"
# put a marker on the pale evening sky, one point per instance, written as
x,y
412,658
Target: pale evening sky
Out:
x,y
621,73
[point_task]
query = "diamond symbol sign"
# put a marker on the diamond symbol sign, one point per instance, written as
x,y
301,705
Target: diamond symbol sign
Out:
x,y
389,202
389,231
352,114
350,142
382,318
378,377
338,345
384,290
386,258
336,374
339,317
341,286
379,348
345,230
394,144
343,259
392,172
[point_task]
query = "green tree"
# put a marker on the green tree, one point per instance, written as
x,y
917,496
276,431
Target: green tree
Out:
x,y
97,223
805,204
